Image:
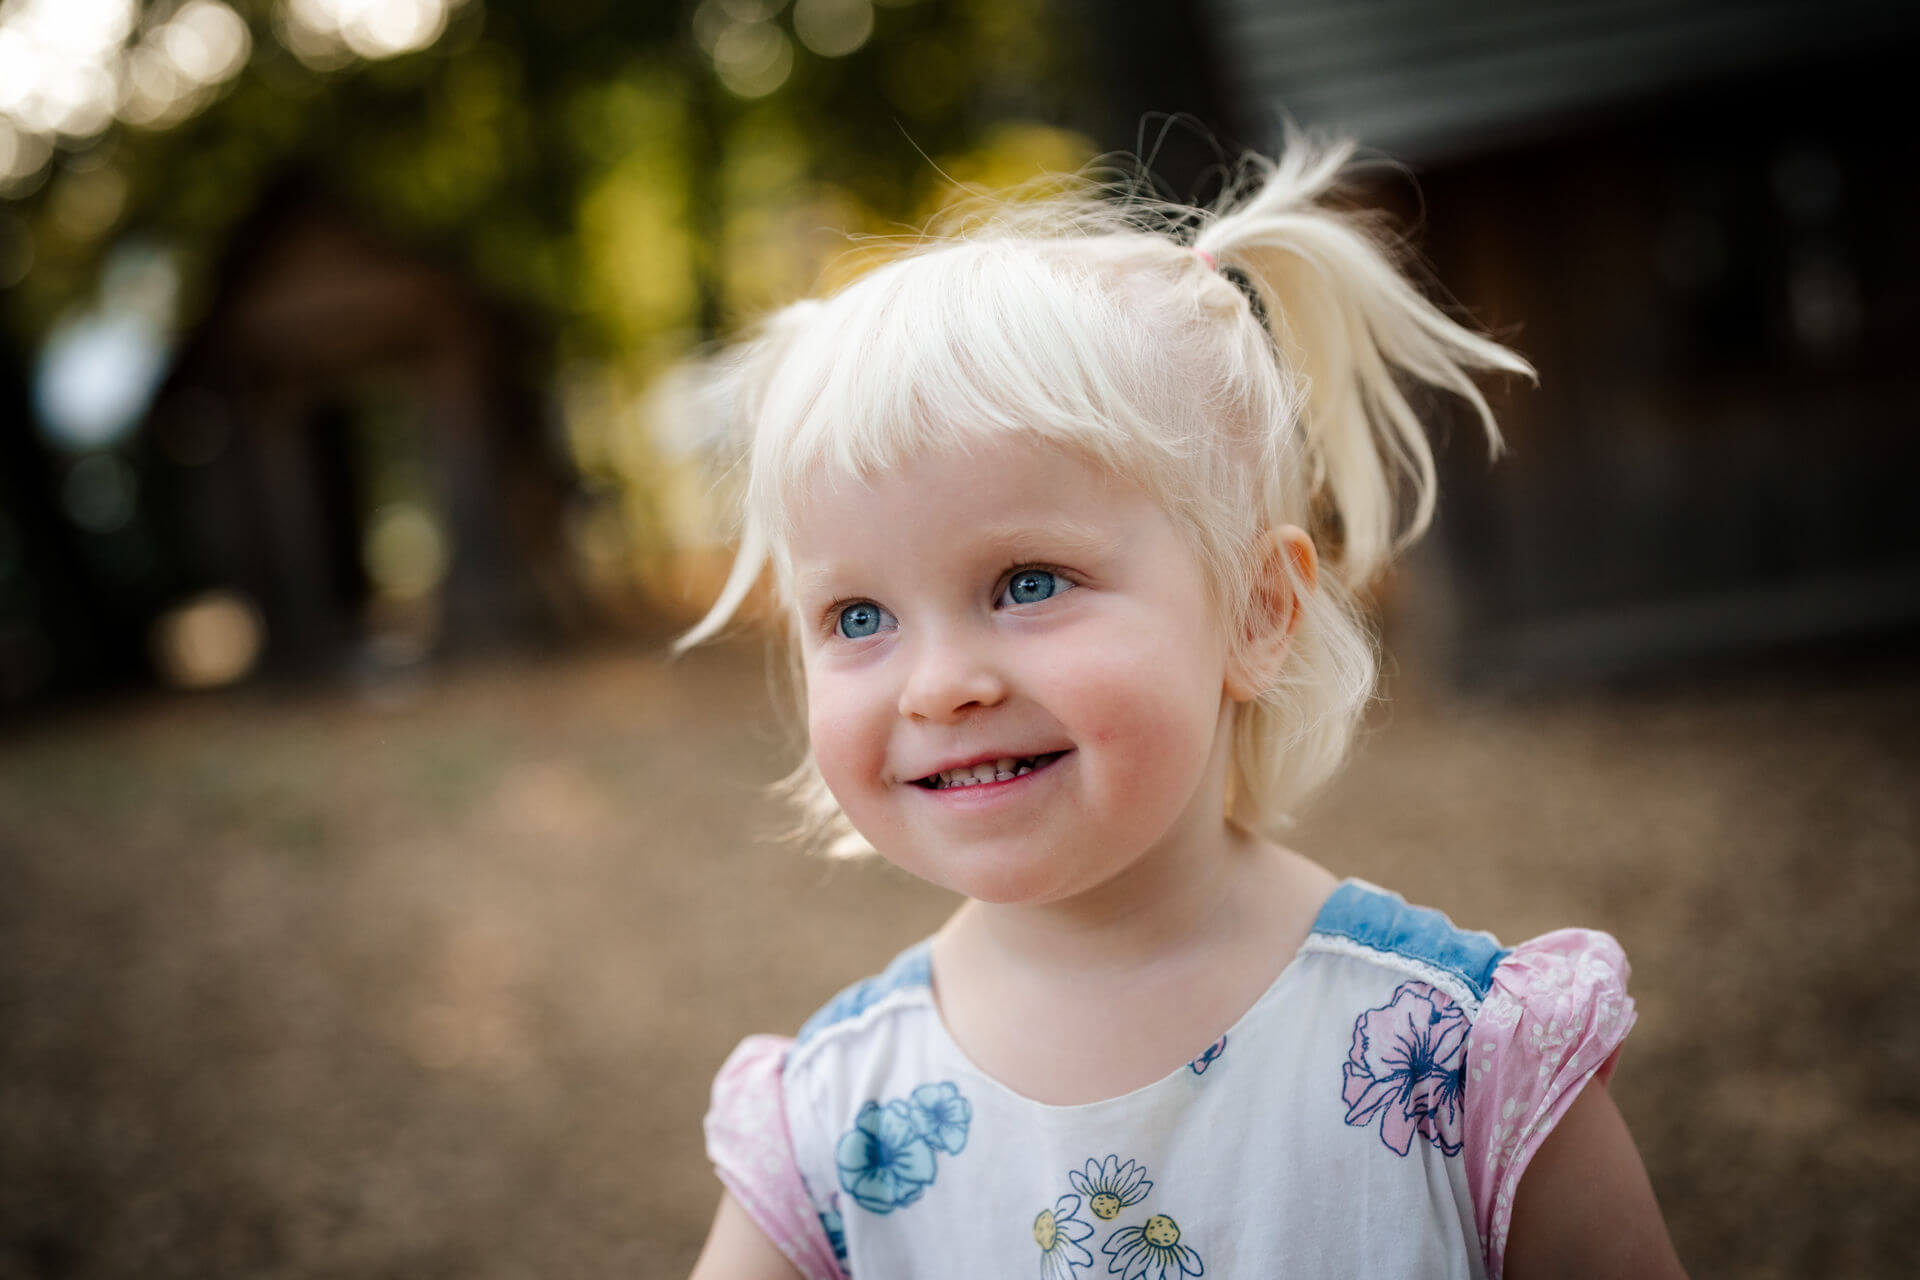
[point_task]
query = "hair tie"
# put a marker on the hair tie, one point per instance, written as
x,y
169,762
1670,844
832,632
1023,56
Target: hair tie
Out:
x,y
1208,259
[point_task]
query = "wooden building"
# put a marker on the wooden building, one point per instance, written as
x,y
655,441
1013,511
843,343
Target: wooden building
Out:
x,y
354,439
1694,218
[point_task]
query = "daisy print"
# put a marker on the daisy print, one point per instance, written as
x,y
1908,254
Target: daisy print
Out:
x,y
1058,1231
1110,1186
1151,1251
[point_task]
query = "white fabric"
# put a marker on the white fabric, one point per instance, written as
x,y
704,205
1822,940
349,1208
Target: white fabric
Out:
x,y
1251,1159
1369,1116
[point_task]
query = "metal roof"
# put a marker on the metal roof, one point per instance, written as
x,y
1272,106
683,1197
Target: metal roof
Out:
x,y
1430,78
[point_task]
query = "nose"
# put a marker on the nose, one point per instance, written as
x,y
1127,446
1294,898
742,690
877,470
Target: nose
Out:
x,y
950,678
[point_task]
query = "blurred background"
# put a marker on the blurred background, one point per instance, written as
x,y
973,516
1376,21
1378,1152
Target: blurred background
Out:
x,y
375,898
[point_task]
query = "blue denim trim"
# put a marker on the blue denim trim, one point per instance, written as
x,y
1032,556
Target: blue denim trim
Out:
x,y
911,968
1383,921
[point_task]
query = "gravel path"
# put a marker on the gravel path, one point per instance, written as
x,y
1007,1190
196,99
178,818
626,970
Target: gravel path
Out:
x,y
433,982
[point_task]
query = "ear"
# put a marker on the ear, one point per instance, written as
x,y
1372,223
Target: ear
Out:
x,y
1287,565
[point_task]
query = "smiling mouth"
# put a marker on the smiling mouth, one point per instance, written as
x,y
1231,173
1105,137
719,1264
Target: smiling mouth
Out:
x,y
1004,769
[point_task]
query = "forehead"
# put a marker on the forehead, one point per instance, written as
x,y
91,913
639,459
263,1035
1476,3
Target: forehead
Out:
x,y
1002,493
969,346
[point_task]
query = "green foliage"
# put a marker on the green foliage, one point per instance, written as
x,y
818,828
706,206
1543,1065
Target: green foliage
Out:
x,y
580,157
581,162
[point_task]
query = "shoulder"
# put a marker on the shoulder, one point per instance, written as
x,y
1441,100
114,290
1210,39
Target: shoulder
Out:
x,y
1552,1002
1517,1032
781,1107
905,984
750,1143
1378,928
866,1037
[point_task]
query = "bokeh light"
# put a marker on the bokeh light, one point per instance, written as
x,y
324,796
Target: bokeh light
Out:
x,y
327,33
99,368
833,28
208,641
753,55
53,59
70,68
753,58
405,552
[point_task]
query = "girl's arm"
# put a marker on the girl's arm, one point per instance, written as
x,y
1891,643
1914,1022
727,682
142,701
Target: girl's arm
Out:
x,y
1584,1207
737,1249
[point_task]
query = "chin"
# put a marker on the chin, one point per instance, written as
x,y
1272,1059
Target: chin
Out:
x,y
1004,892
1022,878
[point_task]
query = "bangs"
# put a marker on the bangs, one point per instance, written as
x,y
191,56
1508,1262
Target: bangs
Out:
x,y
1246,365
954,347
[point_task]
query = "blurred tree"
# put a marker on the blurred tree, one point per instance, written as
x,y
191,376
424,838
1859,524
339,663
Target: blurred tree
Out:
x,y
631,179
577,156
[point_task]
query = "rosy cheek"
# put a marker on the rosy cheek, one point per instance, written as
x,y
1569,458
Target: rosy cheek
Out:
x,y
845,743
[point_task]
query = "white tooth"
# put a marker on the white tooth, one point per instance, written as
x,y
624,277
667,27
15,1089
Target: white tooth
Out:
x,y
1023,770
1002,777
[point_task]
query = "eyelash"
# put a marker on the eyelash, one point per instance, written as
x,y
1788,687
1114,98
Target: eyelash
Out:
x,y
1007,575
829,624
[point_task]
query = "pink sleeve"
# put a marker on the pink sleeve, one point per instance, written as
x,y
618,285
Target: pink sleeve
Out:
x,y
752,1151
1553,1019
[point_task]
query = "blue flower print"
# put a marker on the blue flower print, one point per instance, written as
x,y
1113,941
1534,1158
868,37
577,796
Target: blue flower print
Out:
x,y
1205,1060
1151,1251
1110,1186
884,1162
1058,1231
941,1116
836,1230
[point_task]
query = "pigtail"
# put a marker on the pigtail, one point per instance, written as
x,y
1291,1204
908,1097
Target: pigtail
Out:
x,y
714,404
1350,331
1083,324
1349,325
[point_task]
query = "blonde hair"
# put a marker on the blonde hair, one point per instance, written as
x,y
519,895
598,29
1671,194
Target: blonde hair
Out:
x,y
1112,329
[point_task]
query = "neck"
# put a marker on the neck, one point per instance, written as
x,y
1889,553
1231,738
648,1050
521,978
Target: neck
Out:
x,y
1167,904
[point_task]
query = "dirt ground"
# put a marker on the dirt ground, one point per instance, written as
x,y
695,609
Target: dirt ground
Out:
x,y
431,981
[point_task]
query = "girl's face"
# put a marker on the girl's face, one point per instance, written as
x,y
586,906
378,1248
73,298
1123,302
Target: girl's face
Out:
x,y
1013,615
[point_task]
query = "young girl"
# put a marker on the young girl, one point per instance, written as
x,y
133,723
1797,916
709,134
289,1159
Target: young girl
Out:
x,y
1070,513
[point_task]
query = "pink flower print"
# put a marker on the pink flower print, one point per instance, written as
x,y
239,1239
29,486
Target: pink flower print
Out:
x,y
1205,1060
1408,1066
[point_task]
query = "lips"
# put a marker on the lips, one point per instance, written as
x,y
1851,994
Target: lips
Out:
x,y
993,769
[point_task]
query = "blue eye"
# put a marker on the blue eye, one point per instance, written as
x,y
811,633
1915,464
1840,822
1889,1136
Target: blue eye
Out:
x,y
858,621
1030,586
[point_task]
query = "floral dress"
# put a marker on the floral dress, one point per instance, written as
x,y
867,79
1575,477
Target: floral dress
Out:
x,y
1370,1115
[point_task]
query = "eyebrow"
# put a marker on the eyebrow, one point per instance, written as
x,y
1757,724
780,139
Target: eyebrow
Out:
x,y
1061,534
